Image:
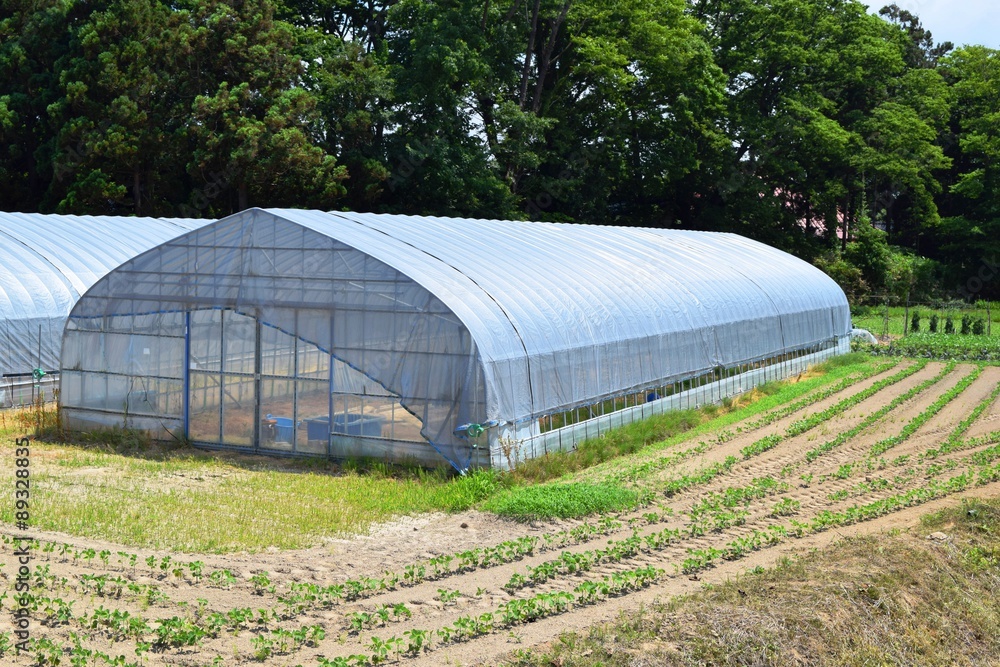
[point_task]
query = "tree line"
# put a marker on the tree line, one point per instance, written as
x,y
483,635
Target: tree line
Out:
x,y
850,139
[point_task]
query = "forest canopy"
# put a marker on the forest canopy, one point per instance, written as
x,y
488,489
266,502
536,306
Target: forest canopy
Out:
x,y
851,139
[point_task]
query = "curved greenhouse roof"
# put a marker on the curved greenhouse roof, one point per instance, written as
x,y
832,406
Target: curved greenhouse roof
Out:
x,y
453,322
48,261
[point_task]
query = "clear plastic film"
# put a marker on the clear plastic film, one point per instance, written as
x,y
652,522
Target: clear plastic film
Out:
x,y
346,333
48,261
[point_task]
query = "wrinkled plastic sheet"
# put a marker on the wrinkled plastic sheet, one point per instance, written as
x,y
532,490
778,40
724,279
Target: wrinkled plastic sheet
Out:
x,y
48,261
476,321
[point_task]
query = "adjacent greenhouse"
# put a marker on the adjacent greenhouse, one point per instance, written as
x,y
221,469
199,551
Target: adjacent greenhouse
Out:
x,y
475,342
46,263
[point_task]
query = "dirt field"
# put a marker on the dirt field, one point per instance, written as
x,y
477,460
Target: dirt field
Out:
x,y
470,588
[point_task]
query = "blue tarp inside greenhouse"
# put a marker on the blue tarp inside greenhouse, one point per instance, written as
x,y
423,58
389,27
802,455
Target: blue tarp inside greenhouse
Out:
x,y
416,337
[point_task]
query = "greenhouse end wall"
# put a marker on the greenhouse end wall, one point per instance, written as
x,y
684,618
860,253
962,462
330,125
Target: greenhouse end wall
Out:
x,y
340,334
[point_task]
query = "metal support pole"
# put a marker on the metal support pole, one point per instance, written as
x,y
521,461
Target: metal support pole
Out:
x,y
906,315
257,382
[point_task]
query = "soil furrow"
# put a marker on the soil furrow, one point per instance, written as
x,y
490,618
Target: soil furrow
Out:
x,y
834,485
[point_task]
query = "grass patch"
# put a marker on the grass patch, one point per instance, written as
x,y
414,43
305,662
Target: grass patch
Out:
x,y
897,599
194,501
564,501
618,442
842,361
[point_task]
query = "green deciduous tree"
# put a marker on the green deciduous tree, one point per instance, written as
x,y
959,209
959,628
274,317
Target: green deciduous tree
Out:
x,y
637,108
586,110
828,123
812,125
971,205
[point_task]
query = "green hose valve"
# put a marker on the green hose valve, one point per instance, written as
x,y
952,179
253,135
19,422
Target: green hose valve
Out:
x,y
476,430
38,374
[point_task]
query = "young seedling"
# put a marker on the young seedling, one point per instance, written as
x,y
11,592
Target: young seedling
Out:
x,y
446,596
261,583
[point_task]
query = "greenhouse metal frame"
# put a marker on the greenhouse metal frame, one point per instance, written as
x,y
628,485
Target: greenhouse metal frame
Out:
x,y
471,342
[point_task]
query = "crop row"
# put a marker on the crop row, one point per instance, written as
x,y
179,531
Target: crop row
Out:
x,y
508,615
164,565
636,472
304,595
986,473
938,346
701,559
954,441
47,653
884,445
844,436
118,624
568,563
102,585
815,397
677,484
953,444
759,487
642,470
812,421
381,615
178,631
556,602
970,443
280,642
712,513
983,405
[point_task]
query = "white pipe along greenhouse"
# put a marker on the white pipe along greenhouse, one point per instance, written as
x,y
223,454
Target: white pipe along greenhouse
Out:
x,y
46,263
476,342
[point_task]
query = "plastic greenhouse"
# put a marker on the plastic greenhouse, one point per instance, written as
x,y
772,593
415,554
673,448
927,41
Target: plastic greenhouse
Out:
x,y
46,263
475,342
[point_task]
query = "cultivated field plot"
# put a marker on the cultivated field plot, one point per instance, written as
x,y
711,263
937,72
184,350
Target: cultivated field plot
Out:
x,y
867,453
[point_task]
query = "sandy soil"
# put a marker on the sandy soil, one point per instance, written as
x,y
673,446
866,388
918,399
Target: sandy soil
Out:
x,y
816,486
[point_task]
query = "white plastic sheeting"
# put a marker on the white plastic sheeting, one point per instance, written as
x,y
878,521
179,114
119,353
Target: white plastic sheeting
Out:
x,y
457,321
48,261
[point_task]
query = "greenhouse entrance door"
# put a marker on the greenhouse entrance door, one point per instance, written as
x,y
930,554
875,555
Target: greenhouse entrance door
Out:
x,y
222,390
252,385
